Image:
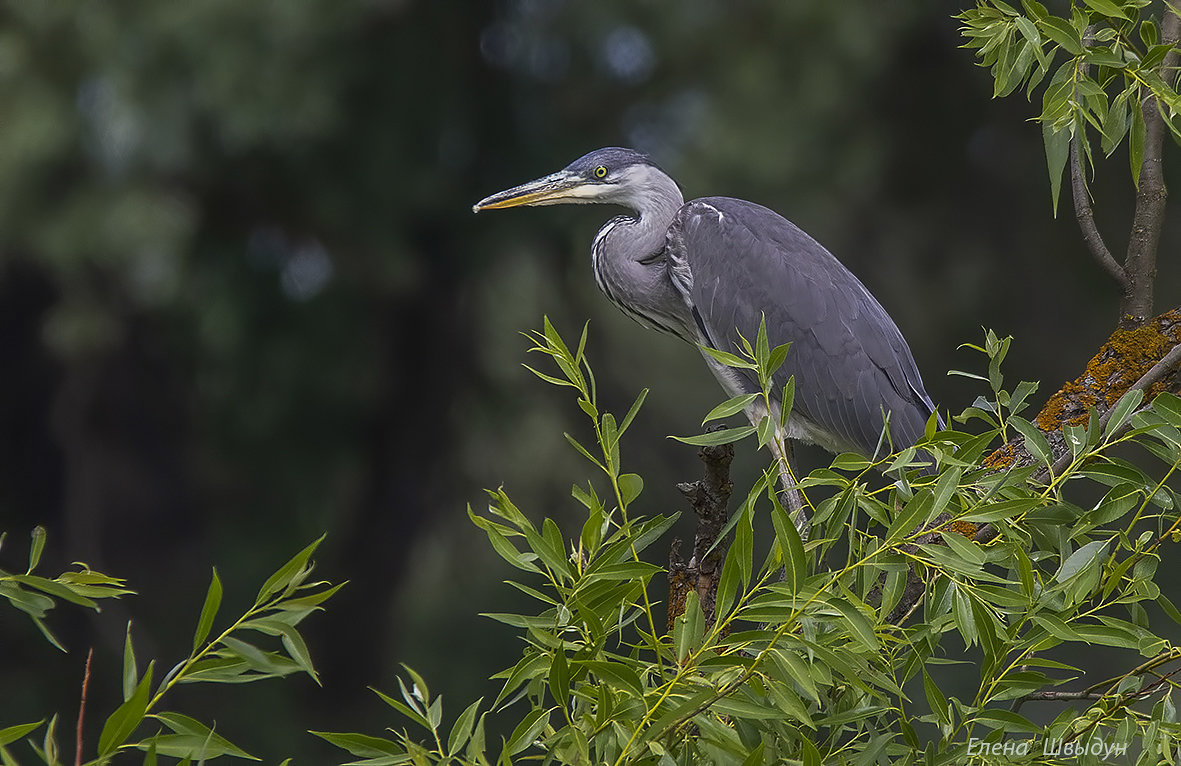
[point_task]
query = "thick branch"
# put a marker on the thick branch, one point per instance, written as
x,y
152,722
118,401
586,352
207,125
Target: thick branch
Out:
x,y
1151,194
1167,364
710,499
1125,358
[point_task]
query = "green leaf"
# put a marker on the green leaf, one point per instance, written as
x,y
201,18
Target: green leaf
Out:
x,y
502,546
965,549
850,461
964,620
727,587
914,515
310,601
1025,573
858,624
1107,8
1168,406
360,745
208,611
1080,559
1060,31
777,357
527,731
1056,627
787,401
36,547
290,574
617,675
743,547
127,716
297,650
729,360
1115,125
130,671
264,663
193,739
766,430
13,733
1007,720
559,678
1136,139
795,560
630,487
1035,439
1002,510
53,588
935,699
689,627
631,413
1057,144
714,438
584,451
729,407
461,732
798,670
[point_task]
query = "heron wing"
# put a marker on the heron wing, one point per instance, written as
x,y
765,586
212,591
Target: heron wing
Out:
x,y
848,357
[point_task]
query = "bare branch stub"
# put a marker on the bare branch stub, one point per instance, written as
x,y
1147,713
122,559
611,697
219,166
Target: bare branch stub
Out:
x,y
709,497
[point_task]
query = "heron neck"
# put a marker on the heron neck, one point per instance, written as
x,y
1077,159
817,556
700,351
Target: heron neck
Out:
x,y
655,202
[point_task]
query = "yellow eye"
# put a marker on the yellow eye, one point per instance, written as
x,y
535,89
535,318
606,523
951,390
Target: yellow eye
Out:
x,y
601,171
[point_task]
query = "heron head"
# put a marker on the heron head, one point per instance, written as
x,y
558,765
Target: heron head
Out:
x,y
611,175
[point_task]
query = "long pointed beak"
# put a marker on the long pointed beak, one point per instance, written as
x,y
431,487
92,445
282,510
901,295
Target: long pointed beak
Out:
x,y
553,189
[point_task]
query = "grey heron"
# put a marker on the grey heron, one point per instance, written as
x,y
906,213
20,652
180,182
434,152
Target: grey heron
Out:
x,y
715,267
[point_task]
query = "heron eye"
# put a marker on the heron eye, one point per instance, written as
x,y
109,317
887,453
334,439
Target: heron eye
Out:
x,y
601,171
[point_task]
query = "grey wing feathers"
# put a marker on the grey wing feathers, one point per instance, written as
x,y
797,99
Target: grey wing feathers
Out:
x,y
849,358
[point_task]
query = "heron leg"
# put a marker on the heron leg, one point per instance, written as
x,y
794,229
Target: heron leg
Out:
x,y
790,495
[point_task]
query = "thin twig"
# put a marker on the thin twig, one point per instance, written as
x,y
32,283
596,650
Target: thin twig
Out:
x,y
82,710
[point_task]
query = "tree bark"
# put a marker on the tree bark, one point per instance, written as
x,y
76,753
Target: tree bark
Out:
x,y
710,499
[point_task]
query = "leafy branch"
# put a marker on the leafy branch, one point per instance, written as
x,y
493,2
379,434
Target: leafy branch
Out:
x,y
35,595
282,603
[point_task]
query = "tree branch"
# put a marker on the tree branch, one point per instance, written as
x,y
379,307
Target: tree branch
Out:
x,y
1151,194
1086,217
1155,374
710,499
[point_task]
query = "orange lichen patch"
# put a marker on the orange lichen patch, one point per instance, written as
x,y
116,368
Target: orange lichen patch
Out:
x,y
1122,360
1002,458
964,528
679,584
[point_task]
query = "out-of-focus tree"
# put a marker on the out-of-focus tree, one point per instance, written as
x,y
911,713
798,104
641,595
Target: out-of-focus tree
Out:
x,y
243,299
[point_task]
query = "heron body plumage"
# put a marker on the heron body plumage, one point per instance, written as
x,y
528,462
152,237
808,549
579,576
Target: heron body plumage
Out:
x,y
714,268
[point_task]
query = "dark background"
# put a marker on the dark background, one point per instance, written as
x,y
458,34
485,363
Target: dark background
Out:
x,y
244,302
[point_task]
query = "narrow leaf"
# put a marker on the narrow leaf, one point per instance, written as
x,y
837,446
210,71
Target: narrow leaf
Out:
x,y
729,407
130,671
289,573
36,547
126,717
714,438
13,733
208,611
1057,144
